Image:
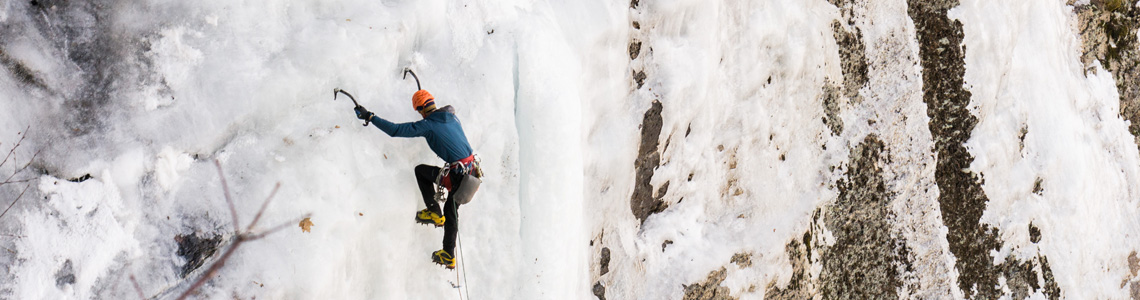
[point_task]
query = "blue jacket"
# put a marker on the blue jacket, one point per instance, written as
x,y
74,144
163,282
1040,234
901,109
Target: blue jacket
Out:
x,y
441,128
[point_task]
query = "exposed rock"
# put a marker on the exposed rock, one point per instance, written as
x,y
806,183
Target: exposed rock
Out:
x,y
831,109
1052,291
642,203
1133,263
710,289
634,49
639,77
195,250
742,259
1034,233
852,54
800,286
662,190
600,290
1108,34
83,178
961,197
65,275
863,262
1020,278
605,261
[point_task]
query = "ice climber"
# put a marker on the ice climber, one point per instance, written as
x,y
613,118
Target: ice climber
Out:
x,y
445,137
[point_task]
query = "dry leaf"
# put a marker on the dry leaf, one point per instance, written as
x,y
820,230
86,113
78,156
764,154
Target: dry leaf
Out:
x,y
306,224
337,126
361,214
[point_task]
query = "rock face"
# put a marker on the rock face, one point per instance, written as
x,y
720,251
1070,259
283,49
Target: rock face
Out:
x,y
851,54
643,203
865,259
962,200
1108,34
801,286
710,289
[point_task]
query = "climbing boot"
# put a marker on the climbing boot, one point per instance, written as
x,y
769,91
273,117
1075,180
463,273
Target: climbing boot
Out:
x,y
429,217
443,258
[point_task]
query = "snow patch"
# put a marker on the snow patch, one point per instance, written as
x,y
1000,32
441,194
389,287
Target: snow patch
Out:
x,y
176,61
82,228
168,165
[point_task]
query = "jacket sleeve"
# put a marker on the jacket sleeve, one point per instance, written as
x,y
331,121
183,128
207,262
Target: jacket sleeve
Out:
x,y
411,129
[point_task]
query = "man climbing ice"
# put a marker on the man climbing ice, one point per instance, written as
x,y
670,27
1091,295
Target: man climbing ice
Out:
x,y
445,137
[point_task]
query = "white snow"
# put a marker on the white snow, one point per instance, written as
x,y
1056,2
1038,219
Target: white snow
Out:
x,y
1023,72
546,95
87,227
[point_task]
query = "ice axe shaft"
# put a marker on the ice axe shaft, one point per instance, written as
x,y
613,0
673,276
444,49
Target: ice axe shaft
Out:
x,y
335,91
340,91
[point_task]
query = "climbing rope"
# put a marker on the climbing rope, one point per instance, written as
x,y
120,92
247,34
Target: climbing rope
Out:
x,y
457,288
461,262
458,237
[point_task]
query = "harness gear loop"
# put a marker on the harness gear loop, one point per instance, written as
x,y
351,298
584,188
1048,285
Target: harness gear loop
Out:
x,y
462,167
438,184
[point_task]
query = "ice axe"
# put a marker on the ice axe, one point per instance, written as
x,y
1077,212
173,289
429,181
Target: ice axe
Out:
x,y
409,70
338,90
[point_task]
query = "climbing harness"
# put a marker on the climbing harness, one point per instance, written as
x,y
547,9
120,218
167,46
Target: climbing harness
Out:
x,y
471,173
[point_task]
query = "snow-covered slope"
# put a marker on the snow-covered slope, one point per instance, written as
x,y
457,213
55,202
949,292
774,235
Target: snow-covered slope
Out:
x,y
632,150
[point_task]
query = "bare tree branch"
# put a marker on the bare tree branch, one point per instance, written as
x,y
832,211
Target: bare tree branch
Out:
x,y
239,237
14,201
11,157
10,152
263,206
21,180
137,288
276,228
229,199
21,170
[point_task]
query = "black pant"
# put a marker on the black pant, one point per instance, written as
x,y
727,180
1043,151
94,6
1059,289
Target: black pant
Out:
x,y
426,175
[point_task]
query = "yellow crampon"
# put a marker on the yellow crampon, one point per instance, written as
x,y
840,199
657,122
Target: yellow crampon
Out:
x,y
443,258
427,216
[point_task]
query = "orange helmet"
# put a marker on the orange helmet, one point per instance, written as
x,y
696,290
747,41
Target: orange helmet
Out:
x,y
423,101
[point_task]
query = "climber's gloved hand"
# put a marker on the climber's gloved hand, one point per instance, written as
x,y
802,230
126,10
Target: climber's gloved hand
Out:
x,y
363,113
